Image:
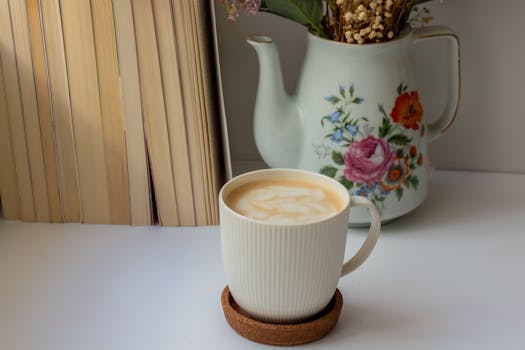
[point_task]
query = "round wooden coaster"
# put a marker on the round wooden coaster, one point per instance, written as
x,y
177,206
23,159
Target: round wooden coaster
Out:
x,y
282,334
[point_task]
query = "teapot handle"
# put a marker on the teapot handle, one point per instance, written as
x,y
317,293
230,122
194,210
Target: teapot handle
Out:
x,y
438,128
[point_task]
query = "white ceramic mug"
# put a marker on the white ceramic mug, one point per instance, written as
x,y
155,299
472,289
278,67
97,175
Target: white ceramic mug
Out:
x,y
285,273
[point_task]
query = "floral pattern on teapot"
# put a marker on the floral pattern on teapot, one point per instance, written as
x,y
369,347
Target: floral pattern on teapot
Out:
x,y
375,163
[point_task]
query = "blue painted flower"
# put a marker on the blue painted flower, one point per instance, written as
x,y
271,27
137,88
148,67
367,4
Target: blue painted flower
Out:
x,y
333,99
363,191
337,136
352,129
334,117
366,189
372,186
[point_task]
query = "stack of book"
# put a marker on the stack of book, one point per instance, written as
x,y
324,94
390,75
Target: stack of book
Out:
x,y
109,112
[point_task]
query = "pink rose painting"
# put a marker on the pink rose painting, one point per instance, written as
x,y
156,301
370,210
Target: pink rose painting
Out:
x,y
367,160
373,161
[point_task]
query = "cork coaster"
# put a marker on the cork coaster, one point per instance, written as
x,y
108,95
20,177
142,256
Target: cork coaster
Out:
x,y
308,331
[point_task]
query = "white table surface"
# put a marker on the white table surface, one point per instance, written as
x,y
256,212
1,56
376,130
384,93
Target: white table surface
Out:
x,y
450,275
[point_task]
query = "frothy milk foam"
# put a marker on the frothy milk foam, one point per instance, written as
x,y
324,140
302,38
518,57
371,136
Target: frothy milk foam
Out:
x,y
284,201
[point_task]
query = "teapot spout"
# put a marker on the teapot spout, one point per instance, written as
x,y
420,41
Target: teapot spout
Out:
x,y
277,126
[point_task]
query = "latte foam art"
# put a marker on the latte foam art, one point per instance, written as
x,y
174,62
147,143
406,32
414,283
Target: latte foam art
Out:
x,y
290,203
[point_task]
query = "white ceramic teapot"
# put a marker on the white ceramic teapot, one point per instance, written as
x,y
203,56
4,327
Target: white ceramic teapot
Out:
x,y
356,117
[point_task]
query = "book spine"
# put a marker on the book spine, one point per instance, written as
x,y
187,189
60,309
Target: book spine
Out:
x,y
197,66
85,110
181,14
16,116
44,109
208,76
8,181
174,110
138,170
112,114
29,108
69,186
155,124
226,156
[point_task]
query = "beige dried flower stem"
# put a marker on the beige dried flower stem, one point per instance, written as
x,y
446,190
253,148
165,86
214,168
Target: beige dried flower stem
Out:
x,y
370,21
340,29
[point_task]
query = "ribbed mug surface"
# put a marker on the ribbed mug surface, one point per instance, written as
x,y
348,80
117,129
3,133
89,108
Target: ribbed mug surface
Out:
x,y
283,273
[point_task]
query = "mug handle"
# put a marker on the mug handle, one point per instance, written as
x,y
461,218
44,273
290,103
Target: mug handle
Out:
x,y
373,235
438,128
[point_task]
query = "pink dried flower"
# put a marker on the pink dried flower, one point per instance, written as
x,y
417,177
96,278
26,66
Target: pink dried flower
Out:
x,y
251,6
232,7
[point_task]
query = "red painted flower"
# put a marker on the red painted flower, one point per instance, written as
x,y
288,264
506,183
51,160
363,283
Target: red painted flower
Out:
x,y
407,110
412,151
420,160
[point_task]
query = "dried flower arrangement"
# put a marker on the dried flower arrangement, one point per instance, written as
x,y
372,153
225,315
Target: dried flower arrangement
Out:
x,y
351,21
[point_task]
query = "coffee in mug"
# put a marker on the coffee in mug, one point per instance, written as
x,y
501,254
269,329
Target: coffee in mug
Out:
x,y
284,201
283,237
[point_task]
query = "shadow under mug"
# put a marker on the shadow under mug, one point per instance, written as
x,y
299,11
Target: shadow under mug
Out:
x,y
285,273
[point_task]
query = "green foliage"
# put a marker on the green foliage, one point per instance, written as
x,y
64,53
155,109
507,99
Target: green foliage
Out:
x,y
414,181
382,110
399,139
329,171
338,158
305,12
378,198
401,88
343,181
386,127
399,193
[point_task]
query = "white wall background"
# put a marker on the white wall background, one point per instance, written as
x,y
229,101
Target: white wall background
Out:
x,y
489,131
